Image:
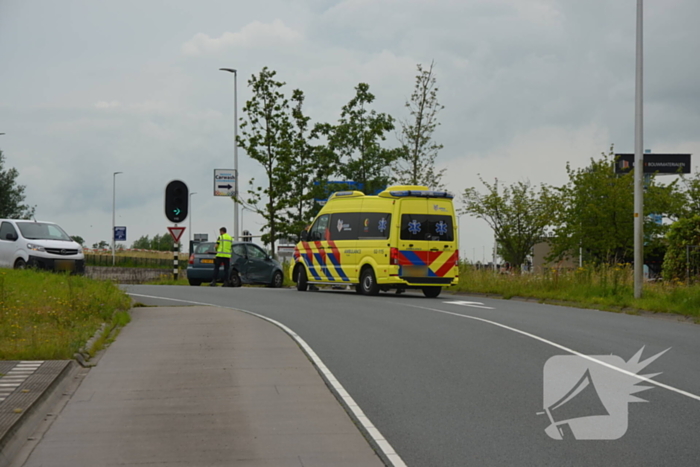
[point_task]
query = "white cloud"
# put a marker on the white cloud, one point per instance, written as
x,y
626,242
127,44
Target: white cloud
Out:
x,y
253,35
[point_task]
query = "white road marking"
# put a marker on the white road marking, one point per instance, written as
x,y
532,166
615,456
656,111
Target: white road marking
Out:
x,y
349,402
471,304
559,346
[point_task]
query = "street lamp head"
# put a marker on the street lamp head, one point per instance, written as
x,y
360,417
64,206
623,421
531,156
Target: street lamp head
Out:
x,y
117,173
230,70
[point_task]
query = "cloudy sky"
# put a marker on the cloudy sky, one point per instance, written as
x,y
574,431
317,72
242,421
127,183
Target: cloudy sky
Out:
x,y
91,88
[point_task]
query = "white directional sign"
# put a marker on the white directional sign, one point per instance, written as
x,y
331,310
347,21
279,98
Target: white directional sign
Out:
x,y
225,182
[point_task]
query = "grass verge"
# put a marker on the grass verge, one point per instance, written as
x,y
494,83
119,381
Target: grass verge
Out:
x,y
48,316
606,287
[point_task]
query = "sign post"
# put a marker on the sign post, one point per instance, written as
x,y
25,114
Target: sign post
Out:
x,y
176,232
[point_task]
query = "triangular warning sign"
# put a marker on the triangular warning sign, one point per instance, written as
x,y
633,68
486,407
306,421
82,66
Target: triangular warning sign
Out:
x,y
176,232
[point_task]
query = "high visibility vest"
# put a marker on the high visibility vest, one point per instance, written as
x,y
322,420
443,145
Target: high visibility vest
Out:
x,y
223,246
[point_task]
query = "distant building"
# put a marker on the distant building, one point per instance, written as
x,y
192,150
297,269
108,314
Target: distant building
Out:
x,y
541,250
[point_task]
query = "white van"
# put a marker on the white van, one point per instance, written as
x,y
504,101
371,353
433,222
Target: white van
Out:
x,y
43,245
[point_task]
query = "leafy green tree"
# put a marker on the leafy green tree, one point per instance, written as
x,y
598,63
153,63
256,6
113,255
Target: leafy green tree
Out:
x,y
101,245
266,137
12,195
416,165
356,142
143,243
78,239
690,191
518,214
162,242
309,167
597,213
683,253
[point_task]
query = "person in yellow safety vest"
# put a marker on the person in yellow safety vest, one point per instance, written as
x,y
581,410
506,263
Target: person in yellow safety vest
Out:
x,y
223,256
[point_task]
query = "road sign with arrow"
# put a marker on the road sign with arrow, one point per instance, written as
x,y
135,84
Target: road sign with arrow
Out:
x,y
225,182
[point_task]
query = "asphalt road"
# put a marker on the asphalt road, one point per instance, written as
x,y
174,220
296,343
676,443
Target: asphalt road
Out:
x,y
455,384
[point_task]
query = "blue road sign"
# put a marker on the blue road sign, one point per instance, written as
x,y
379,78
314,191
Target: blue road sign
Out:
x,y
120,234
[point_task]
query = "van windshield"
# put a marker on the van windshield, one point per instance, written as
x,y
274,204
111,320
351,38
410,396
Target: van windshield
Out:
x,y
42,231
429,227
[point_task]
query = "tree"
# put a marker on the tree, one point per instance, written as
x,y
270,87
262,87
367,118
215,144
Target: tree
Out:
x,y
101,245
416,165
266,137
78,239
12,195
683,247
143,243
518,215
597,213
308,166
356,142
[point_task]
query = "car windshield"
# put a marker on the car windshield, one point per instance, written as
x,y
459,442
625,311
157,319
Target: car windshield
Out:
x,y
205,248
42,231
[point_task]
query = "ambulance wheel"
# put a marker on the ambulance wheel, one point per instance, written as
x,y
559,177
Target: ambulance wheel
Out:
x,y
20,264
368,282
432,292
302,281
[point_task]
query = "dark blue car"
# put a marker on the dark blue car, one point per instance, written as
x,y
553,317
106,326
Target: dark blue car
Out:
x,y
250,264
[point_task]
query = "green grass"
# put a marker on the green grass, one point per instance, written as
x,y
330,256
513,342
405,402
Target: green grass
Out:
x,y
47,316
605,287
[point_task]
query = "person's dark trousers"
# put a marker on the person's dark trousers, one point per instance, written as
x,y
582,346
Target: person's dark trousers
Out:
x,y
218,261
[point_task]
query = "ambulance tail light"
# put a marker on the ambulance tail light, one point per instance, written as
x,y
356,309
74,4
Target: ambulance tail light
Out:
x,y
394,256
191,261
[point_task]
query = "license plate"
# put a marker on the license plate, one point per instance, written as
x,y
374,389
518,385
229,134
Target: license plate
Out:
x,y
414,271
64,265
208,261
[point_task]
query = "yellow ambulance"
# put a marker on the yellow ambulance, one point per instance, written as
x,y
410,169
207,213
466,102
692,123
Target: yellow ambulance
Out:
x,y
403,238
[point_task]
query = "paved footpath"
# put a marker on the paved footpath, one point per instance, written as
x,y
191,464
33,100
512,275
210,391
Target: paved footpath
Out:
x,y
191,386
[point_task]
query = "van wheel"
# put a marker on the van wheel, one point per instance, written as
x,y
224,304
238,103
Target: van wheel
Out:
x,y
432,292
195,281
235,279
368,283
302,281
20,264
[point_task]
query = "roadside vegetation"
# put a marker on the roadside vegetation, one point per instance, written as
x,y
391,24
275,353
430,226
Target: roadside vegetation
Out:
x,y
603,287
45,316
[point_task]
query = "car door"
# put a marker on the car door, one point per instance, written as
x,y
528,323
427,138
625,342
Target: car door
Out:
x,y
239,260
259,267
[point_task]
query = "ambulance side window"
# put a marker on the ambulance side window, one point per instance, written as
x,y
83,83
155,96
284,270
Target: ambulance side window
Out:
x,y
318,230
345,226
375,224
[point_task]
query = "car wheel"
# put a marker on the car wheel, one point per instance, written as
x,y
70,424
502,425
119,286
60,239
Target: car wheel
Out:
x,y
368,282
302,281
277,280
195,281
432,292
235,279
20,264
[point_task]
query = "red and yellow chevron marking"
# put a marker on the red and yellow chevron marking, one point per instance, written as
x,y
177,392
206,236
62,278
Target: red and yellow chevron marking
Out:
x,y
439,263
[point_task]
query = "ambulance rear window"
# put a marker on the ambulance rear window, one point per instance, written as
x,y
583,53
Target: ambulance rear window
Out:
x,y
421,227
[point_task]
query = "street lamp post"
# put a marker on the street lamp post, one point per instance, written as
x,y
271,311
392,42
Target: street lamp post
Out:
x,y
191,210
639,161
235,148
114,197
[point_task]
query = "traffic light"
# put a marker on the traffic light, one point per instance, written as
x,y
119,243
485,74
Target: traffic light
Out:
x,y
246,237
176,199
